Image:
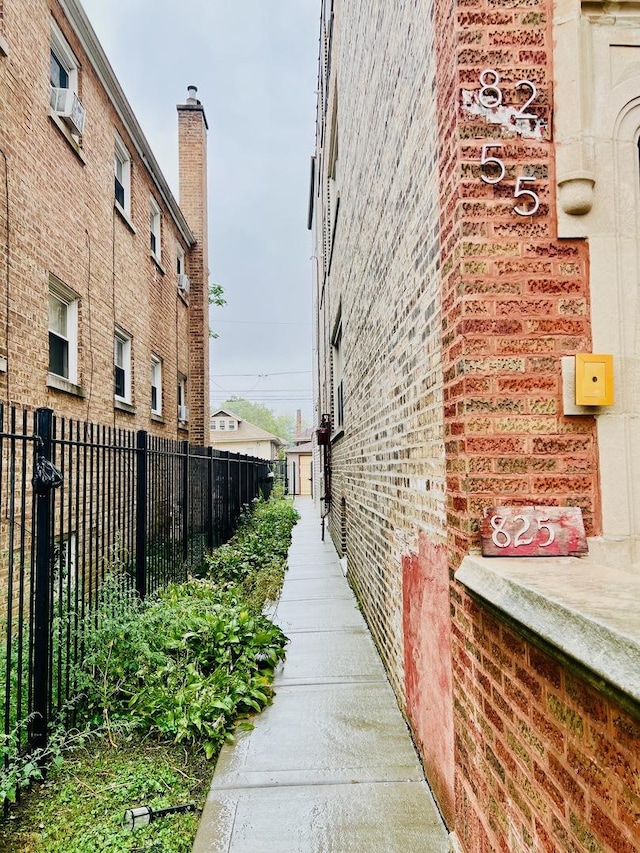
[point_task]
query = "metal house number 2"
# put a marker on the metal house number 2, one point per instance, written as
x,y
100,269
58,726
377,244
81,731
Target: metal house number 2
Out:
x,y
493,168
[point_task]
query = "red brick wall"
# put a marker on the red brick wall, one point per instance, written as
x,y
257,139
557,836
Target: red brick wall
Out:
x,y
427,666
515,298
530,739
544,761
192,136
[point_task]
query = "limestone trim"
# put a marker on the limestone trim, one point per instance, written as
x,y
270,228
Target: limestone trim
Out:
x,y
597,125
583,614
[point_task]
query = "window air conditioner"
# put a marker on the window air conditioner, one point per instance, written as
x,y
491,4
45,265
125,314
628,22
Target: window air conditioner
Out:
x,y
69,107
183,413
183,283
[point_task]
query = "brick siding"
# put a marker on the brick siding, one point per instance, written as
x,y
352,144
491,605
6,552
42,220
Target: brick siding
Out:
x,y
544,761
62,221
455,315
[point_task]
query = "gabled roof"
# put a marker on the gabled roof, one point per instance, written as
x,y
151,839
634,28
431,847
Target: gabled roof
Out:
x,y
227,413
300,448
246,431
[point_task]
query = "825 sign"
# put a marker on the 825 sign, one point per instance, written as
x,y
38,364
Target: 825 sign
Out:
x,y
533,531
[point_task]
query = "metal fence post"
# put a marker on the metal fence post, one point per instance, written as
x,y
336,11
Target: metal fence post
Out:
x,y
42,592
185,498
210,498
141,512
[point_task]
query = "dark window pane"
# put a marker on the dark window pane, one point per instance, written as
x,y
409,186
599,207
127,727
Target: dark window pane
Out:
x,y
153,242
120,386
58,356
119,193
59,74
154,398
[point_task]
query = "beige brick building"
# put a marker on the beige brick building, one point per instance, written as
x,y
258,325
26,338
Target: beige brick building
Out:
x,y
474,204
104,313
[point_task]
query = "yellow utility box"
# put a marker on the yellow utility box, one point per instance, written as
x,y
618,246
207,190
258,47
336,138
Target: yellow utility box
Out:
x,y
594,379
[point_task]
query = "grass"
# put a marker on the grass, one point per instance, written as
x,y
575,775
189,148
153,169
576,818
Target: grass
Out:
x,y
176,674
79,808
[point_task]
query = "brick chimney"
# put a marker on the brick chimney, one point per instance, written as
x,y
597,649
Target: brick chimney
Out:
x,y
192,145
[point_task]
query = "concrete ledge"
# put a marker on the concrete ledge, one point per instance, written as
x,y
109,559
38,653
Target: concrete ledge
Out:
x,y
582,612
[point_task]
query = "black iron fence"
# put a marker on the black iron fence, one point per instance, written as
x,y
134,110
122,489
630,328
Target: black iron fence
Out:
x,y
80,502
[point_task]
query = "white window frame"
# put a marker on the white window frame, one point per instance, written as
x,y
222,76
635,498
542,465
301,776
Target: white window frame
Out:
x,y
156,382
232,425
64,556
124,338
65,56
337,351
121,157
182,395
180,261
155,230
70,300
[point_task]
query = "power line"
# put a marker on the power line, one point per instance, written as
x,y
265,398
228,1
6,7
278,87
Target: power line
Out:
x,y
260,375
263,322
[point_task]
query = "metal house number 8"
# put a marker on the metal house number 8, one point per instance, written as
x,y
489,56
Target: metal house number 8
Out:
x,y
493,168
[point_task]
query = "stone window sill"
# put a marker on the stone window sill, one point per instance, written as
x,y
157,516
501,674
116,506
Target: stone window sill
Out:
x,y
124,216
66,133
584,614
123,406
59,383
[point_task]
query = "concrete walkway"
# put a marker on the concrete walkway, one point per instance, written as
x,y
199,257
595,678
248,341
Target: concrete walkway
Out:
x,y
330,766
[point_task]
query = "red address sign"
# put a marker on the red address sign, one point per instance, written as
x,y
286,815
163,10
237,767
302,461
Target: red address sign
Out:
x,y
533,531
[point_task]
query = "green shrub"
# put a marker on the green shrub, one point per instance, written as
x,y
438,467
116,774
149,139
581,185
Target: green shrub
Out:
x,y
255,558
184,665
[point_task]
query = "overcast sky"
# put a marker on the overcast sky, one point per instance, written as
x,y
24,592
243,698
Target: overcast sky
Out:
x,y
255,65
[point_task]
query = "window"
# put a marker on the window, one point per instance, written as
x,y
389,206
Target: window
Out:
x,y
338,390
122,172
180,268
64,557
223,424
214,425
65,104
122,365
183,411
63,64
156,385
232,424
154,229
63,332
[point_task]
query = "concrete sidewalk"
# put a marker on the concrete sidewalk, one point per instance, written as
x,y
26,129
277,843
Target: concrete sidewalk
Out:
x,y
330,766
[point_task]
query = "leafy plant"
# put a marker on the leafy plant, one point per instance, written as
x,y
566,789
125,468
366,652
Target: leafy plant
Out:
x,y
255,558
183,666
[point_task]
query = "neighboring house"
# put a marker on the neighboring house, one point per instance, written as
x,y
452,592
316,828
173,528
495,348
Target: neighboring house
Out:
x,y
300,468
299,456
232,433
104,313
476,213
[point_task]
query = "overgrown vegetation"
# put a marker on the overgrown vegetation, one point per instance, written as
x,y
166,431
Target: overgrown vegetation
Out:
x,y
163,684
251,561
183,666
